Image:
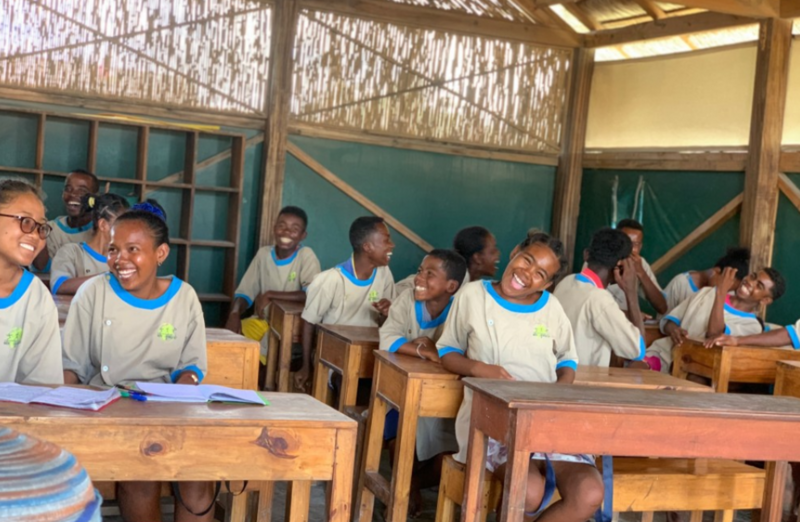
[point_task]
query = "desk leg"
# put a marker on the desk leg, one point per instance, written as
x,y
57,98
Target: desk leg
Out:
x,y
404,452
264,508
772,507
515,483
320,390
373,445
298,500
722,372
342,482
473,482
352,361
285,353
272,358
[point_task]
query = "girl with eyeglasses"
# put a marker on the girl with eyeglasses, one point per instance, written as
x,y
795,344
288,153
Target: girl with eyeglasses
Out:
x,y
30,343
77,262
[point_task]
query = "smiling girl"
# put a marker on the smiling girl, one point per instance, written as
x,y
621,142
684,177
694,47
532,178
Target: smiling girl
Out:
x,y
30,345
75,263
478,247
515,330
130,325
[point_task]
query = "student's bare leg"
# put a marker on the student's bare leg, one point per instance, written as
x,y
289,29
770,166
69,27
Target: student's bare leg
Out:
x,y
534,493
139,501
197,496
581,489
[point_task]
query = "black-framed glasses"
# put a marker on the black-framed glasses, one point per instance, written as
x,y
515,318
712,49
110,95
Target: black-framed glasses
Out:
x,y
28,225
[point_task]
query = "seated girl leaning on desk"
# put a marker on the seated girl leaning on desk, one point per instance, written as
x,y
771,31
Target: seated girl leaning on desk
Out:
x,y
130,325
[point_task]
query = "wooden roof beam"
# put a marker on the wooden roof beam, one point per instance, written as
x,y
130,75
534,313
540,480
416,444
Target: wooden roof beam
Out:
x,y
437,19
790,9
652,9
666,28
584,17
753,8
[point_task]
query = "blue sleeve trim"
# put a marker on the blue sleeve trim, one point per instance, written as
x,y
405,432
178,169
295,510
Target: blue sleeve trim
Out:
x,y
304,289
449,349
642,348
793,336
568,364
174,375
57,284
727,330
397,344
246,298
673,319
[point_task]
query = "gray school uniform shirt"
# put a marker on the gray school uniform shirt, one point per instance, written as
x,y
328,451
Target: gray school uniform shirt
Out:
x,y
112,337
619,295
599,326
30,342
63,234
335,296
530,341
680,289
75,260
409,319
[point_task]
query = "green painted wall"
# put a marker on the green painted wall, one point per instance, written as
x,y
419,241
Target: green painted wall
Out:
x,y
433,194
784,258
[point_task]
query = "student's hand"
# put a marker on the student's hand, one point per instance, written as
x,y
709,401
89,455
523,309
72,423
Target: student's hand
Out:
x,y
678,335
638,265
382,307
727,281
234,323
301,381
647,317
490,371
426,349
261,302
625,275
721,340
186,378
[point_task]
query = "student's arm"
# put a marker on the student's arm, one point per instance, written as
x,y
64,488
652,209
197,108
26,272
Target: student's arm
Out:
x,y
245,293
71,377
319,301
565,350
626,280
565,375
651,290
234,322
777,337
76,357
41,362
459,364
393,333
70,286
716,321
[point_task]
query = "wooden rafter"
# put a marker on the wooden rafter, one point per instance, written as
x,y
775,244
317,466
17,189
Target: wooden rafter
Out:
x,y
655,160
437,19
789,189
790,8
790,161
753,8
584,17
620,23
665,28
652,9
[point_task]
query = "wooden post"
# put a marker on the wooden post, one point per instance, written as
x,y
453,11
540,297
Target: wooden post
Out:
x,y
284,26
567,197
766,128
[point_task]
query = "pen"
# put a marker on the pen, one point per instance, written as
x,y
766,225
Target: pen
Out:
x,y
133,395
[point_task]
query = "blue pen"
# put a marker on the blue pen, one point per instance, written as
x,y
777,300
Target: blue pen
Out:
x,y
137,396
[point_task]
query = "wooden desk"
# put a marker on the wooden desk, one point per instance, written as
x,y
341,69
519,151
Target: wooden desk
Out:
x,y
62,305
348,351
651,333
232,359
284,324
727,364
419,388
294,439
606,421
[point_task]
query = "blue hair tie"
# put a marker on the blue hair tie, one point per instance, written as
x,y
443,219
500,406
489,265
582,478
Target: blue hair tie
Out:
x,y
149,207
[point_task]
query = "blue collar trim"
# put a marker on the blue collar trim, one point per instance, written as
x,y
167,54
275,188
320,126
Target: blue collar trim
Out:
x,y
288,260
145,304
421,312
346,268
93,253
733,311
69,230
583,279
19,291
691,282
514,307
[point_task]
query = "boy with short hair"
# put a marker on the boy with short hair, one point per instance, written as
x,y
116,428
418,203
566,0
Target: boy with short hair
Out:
x,y
683,286
649,288
714,311
76,225
280,271
356,292
600,327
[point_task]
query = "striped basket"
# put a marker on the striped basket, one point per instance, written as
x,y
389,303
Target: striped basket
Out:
x,y
40,482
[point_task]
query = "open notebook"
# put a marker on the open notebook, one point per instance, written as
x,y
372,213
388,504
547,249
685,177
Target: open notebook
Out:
x,y
64,396
198,393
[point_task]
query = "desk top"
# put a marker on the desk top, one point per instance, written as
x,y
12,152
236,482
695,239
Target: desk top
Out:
x,y
576,398
790,365
289,410
407,365
352,334
632,378
289,307
221,335
694,344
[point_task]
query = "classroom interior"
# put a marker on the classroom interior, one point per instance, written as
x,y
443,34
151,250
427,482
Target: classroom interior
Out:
x,y
560,115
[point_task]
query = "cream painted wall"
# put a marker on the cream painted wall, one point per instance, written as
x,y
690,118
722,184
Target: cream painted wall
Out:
x,y
688,100
791,123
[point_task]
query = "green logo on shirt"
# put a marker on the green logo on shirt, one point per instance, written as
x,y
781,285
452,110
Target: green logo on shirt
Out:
x,y
166,332
373,296
540,331
14,337
292,277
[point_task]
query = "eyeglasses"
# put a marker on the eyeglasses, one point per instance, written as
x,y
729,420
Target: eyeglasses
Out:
x,y
28,225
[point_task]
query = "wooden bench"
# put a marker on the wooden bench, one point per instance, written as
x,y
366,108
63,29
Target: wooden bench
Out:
x,y
727,364
285,326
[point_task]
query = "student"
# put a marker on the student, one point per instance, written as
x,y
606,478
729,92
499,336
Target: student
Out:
x,y
684,286
649,287
600,327
714,311
76,225
479,248
75,263
31,343
356,292
515,330
280,271
130,325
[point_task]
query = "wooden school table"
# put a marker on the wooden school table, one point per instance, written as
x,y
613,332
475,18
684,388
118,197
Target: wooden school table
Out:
x,y
284,325
787,383
348,351
420,388
651,333
295,439
607,421
727,364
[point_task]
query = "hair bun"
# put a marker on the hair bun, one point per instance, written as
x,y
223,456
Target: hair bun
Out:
x,y
149,207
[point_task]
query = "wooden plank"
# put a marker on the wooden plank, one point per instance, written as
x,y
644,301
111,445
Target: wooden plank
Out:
x,y
790,161
584,17
361,199
284,26
652,9
789,189
753,8
672,26
447,21
699,234
790,9
566,205
696,161
766,129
